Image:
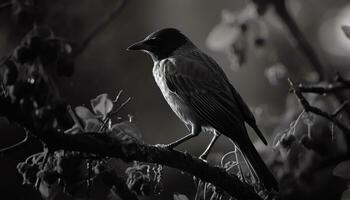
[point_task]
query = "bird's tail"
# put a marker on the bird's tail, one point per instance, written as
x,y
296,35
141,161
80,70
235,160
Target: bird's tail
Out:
x,y
259,133
260,169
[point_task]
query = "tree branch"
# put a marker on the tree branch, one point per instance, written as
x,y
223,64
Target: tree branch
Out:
x,y
100,27
129,150
302,42
305,46
16,145
322,89
309,108
339,84
101,144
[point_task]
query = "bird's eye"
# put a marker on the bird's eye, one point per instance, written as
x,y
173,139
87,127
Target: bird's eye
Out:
x,y
153,39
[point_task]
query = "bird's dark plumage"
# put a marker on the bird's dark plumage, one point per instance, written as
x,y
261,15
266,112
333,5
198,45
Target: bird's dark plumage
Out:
x,y
198,91
206,84
162,43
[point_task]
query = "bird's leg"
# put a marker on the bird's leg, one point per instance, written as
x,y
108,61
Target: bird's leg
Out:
x,y
195,130
210,146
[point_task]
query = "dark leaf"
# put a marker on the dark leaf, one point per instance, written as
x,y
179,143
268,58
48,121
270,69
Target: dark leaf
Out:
x,y
342,170
102,105
178,196
65,65
24,54
10,73
128,128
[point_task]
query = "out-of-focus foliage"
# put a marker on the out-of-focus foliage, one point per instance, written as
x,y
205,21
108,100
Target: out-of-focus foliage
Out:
x,y
305,144
276,74
238,34
145,179
26,76
25,82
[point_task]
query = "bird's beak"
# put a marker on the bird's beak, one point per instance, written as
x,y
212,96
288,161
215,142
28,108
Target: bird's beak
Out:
x,y
141,45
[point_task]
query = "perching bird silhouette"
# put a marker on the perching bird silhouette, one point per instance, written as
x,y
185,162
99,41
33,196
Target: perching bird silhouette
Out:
x,y
200,94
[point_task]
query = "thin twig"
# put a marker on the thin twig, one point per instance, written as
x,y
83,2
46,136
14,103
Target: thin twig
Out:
x,y
305,46
109,115
308,108
340,108
323,89
118,96
100,27
121,106
14,146
42,165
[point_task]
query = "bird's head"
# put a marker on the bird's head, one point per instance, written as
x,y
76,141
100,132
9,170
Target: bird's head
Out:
x,y
162,43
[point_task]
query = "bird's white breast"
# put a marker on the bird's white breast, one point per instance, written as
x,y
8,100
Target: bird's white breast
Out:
x,y
175,102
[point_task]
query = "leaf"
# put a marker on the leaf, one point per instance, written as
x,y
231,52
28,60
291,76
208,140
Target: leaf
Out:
x,y
51,192
44,190
178,196
346,30
342,170
84,113
230,29
128,128
102,105
91,125
89,120
75,129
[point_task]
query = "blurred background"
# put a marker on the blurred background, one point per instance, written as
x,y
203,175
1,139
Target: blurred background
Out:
x,y
106,67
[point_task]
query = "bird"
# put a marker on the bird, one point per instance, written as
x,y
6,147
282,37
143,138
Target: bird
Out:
x,y
200,94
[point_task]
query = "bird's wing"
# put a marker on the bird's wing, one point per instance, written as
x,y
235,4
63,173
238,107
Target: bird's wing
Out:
x,y
245,111
248,115
207,93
